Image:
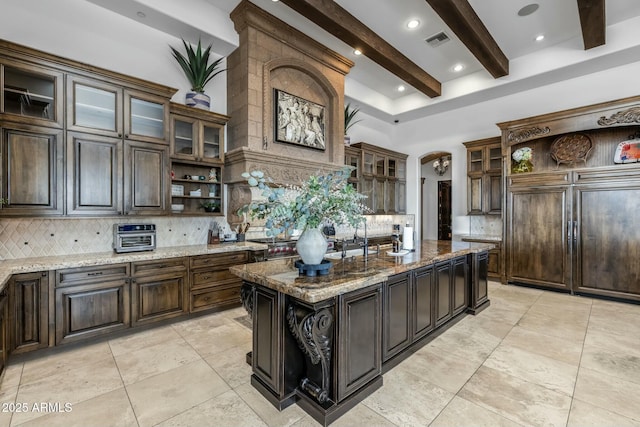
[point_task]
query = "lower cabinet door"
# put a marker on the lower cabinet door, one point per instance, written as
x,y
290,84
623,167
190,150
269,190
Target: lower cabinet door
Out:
x,y
397,315
360,339
156,298
29,304
423,299
90,310
460,285
443,292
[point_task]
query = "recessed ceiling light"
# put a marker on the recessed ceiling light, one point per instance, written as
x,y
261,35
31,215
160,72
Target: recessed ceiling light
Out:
x,y
413,24
357,52
141,14
274,1
458,67
528,9
401,88
540,37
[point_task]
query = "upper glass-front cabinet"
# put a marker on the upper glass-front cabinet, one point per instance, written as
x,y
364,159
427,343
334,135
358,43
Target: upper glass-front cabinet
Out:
x,y
97,107
94,107
197,135
146,117
31,94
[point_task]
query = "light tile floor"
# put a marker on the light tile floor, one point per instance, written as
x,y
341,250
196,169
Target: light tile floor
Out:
x,y
532,358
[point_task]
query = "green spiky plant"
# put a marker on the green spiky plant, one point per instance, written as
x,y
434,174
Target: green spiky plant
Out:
x,y
196,65
349,115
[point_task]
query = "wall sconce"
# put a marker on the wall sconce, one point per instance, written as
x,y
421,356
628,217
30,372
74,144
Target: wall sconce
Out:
x,y
440,165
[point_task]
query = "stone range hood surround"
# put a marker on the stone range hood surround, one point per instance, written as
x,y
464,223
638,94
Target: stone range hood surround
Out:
x,y
272,55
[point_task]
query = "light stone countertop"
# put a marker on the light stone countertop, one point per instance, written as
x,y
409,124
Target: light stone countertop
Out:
x,y
480,238
29,265
352,273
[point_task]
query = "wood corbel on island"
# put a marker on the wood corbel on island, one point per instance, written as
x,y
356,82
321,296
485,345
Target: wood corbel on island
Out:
x,y
324,342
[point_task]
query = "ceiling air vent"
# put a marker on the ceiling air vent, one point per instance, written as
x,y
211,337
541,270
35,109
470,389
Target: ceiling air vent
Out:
x,y
437,39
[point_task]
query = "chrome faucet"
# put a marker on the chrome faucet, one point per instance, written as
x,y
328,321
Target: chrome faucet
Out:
x,y
365,242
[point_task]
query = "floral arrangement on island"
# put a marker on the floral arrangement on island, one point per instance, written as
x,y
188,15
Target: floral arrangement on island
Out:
x,y
318,200
523,158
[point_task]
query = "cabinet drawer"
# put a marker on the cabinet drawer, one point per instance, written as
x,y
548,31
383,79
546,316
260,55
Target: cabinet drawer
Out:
x,y
215,296
202,279
219,260
169,265
82,275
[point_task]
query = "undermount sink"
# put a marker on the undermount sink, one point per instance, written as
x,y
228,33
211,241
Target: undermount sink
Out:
x,y
348,254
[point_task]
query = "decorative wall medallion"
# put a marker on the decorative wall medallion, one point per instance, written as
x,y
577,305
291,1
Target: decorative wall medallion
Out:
x,y
522,135
630,115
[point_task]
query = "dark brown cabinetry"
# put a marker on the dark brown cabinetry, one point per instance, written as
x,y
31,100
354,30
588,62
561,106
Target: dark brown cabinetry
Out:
x,y
94,174
397,310
31,94
197,150
359,358
29,306
484,176
328,355
408,310
159,290
32,170
4,329
115,129
568,221
212,285
380,175
145,180
91,301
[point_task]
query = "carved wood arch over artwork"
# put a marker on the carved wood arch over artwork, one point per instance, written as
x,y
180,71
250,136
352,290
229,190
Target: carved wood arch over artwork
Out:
x,y
332,109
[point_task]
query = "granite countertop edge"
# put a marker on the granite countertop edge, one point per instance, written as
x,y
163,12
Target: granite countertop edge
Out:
x,y
480,238
30,265
280,274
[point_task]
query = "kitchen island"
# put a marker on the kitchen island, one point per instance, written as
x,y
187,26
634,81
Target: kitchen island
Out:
x,y
324,342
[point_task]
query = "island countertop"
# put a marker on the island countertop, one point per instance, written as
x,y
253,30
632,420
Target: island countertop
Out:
x,y
351,273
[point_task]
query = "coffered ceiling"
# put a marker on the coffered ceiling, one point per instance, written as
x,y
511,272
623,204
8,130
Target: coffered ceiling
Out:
x,y
492,41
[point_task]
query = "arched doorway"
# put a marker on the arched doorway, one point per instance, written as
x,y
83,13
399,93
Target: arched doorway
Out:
x,y
435,191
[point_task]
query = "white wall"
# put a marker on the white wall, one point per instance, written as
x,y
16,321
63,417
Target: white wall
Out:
x,y
82,31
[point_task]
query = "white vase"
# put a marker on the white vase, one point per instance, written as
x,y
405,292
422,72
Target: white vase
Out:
x,y
198,100
311,246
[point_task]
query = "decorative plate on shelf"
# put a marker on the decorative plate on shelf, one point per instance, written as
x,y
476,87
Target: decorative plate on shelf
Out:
x,y
571,148
627,152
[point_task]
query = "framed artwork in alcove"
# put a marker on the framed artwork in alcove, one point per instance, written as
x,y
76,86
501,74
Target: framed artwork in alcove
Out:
x,y
298,121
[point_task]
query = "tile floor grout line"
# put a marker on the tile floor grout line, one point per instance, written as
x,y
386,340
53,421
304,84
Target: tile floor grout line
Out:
x,y
575,384
480,366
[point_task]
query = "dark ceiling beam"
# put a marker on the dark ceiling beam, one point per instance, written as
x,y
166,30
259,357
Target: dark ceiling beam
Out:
x,y
337,21
463,21
593,22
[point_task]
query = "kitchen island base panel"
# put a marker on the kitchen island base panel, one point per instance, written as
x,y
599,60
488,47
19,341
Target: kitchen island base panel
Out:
x,y
320,342
330,412
479,308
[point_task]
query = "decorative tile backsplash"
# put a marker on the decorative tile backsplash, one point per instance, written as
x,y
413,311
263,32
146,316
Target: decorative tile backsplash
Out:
x,y
485,224
35,237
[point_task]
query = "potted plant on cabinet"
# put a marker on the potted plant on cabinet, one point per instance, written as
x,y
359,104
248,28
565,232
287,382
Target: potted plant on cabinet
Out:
x,y
210,206
349,116
198,71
